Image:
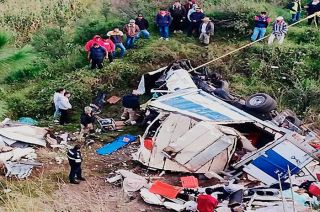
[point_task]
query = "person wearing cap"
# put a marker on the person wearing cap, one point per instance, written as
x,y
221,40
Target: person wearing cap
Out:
x,y
178,13
195,21
117,38
261,23
206,202
109,46
75,160
206,30
131,30
143,25
87,121
163,21
295,10
96,56
131,106
279,31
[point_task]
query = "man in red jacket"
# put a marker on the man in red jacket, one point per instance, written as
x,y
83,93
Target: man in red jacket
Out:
x,y
206,202
109,46
96,39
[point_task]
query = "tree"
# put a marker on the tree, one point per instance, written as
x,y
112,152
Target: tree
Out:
x,y
12,59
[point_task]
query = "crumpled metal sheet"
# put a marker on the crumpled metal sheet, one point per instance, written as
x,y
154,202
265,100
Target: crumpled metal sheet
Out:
x,y
21,171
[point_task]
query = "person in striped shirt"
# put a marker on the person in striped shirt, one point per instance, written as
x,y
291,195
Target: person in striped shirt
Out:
x,y
279,31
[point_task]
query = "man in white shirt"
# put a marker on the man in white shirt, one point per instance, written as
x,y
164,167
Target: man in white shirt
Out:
x,y
206,29
56,98
64,107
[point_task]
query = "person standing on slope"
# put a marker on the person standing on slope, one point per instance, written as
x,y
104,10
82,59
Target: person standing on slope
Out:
x,y
261,23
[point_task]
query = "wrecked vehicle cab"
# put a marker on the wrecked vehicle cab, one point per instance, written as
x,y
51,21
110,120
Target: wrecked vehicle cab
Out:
x,y
199,133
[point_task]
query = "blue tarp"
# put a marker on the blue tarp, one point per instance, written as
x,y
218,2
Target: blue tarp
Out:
x,y
116,144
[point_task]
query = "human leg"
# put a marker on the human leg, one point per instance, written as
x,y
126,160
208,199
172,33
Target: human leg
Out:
x,y
125,114
201,37
72,174
190,29
63,117
271,39
262,32
280,39
100,64
78,172
166,32
110,57
161,31
56,112
122,49
255,34
206,39
145,33
93,64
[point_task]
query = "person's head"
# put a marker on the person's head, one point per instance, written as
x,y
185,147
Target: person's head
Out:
x,y
140,16
87,110
198,9
67,94
163,12
177,3
116,29
61,90
279,19
209,191
96,45
206,20
97,37
77,147
263,14
131,22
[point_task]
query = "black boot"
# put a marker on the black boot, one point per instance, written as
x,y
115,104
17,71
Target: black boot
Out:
x,y
74,182
81,178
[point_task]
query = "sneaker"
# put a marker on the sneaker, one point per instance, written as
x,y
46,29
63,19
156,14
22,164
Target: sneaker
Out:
x,y
56,121
175,31
161,38
180,31
123,118
74,182
167,39
133,122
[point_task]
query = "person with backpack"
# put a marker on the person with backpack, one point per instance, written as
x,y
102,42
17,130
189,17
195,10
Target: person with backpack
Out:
x,y
279,31
295,10
261,23
163,21
178,13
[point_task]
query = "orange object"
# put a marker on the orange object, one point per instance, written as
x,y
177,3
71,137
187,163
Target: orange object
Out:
x,y
113,99
148,143
189,182
164,189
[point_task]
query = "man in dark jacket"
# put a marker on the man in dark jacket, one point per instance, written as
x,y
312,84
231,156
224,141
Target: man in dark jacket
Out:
x,y
261,23
163,21
195,19
178,13
96,56
206,30
143,25
131,106
75,159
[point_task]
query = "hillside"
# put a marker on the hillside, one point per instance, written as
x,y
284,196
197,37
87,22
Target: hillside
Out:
x,y
42,49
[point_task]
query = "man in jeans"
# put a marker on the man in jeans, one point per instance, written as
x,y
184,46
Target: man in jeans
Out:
x,y
206,30
163,21
131,31
260,26
131,106
279,31
117,36
143,25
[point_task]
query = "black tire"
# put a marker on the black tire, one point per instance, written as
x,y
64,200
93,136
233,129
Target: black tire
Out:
x,y
261,102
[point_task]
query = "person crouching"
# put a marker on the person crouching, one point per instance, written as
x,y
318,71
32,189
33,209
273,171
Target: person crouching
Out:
x,y
131,106
87,121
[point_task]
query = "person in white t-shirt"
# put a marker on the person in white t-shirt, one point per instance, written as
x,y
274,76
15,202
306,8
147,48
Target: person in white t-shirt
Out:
x,y
206,30
56,99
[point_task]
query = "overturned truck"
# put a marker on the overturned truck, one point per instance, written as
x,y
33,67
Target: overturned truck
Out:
x,y
198,132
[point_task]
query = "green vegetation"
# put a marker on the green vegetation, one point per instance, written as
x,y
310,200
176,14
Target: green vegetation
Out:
x,y
57,30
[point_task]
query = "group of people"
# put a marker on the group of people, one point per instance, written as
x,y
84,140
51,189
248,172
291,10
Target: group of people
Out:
x,y
280,27
178,18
